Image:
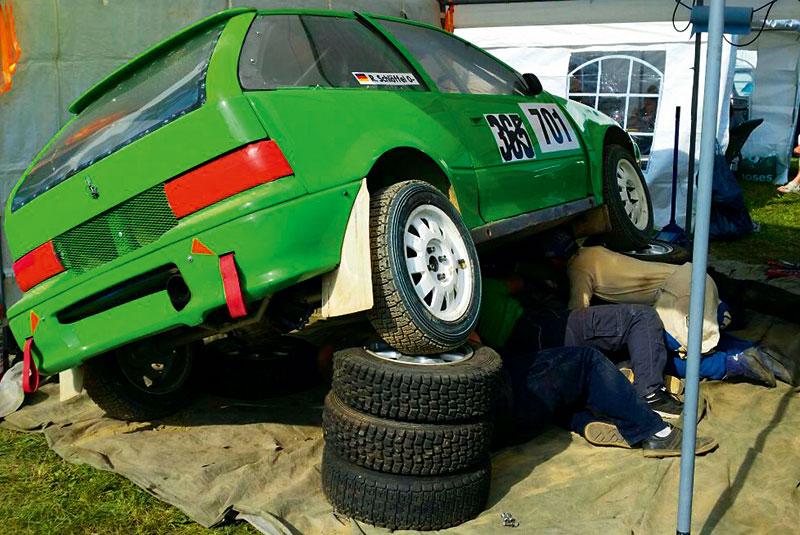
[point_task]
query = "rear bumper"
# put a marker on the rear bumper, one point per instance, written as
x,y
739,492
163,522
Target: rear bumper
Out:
x,y
275,247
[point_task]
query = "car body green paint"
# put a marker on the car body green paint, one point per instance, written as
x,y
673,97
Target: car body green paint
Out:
x,y
288,230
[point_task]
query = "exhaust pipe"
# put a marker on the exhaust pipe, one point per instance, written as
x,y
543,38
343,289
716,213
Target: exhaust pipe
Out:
x,y
178,292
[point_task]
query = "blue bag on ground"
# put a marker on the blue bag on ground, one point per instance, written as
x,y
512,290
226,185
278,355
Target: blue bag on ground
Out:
x,y
730,219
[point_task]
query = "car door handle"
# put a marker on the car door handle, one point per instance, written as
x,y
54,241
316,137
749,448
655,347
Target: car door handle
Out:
x,y
477,121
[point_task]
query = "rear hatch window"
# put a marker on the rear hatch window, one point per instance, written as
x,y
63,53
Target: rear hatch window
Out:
x,y
163,90
316,51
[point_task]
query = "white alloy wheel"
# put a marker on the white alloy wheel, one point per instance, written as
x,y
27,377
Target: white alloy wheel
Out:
x,y
632,193
460,354
438,262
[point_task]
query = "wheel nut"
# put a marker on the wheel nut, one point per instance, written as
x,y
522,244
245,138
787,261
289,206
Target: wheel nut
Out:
x,y
431,249
462,264
442,259
441,276
157,366
431,267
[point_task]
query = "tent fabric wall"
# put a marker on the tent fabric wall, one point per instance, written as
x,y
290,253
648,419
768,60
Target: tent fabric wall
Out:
x,y
775,98
69,45
545,51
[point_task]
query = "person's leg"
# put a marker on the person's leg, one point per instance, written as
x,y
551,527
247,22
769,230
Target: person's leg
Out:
x,y
721,365
609,393
612,327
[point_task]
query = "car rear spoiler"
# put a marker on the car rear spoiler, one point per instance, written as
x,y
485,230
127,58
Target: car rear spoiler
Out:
x,y
151,53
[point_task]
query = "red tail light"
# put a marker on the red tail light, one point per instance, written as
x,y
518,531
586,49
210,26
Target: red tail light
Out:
x,y
255,164
36,266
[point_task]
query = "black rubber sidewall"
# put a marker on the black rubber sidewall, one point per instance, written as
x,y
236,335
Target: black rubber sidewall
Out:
x,y
450,333
624,234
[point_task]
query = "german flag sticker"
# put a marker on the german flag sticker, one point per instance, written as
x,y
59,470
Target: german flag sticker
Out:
x,y
362,78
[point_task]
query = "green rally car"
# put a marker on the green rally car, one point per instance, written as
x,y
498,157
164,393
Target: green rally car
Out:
x,y
345,161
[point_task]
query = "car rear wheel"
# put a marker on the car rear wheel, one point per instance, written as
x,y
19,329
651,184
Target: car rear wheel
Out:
x,y
140,383
426,276
628,199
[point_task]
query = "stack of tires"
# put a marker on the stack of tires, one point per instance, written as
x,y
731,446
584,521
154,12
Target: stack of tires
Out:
x,y
407,438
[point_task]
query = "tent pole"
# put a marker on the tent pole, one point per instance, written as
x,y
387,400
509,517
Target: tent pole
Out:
x,y
693,132
700,262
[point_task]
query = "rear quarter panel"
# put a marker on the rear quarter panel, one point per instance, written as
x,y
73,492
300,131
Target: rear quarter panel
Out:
x,y
334,136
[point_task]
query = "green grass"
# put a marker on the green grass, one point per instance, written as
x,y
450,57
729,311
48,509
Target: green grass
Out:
x,y
41,494
779,217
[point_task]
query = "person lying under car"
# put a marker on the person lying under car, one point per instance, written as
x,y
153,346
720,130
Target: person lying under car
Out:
x,y
578,387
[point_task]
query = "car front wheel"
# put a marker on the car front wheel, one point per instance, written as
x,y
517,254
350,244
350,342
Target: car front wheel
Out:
x,y
628,199
426,276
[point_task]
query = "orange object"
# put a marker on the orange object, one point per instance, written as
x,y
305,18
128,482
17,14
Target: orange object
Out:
x,y
450,18
34,321
199,247
36,266
10,51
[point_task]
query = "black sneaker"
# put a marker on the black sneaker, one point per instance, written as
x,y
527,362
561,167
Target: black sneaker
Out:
x,y
664,404
670,445
604,434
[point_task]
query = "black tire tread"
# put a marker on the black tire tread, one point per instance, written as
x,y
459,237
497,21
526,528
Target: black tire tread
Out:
x,y
404,502
389,315
447,393
403,448
623,236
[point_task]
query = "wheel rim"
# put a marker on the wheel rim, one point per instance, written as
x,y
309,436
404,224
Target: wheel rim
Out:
x,y
454,356
438,262
155,372
654,249
632,194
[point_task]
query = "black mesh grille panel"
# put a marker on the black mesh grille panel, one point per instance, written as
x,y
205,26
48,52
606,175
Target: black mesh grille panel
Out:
x,y
116,232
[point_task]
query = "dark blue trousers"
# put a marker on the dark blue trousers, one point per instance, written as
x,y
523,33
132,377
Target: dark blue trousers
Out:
x,y
572,386
605,327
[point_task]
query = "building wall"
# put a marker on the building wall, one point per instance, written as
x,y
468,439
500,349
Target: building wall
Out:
x,y
69,45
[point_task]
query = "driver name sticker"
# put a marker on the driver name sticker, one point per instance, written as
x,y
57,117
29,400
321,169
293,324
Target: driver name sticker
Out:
x,y
385,78
552,130
511,137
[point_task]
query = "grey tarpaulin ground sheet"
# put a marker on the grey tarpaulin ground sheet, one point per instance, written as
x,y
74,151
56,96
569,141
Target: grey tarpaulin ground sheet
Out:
x,y
262,459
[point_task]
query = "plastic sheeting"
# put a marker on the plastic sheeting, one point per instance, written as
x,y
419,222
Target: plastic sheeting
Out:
x,y
69,46
775,98
545,51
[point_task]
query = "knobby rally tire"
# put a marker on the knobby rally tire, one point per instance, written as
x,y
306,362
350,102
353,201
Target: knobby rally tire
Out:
x,y
624,235
450,392
399,315
400,447
404,502
112,391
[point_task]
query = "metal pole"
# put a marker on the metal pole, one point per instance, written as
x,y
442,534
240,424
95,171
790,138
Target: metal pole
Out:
x,y
675,154
700,262
693,132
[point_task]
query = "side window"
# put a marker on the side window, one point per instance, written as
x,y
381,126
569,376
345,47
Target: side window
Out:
x,y
311,51
454,65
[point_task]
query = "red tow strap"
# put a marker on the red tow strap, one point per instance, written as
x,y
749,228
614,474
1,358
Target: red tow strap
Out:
x,y
30,375
232,286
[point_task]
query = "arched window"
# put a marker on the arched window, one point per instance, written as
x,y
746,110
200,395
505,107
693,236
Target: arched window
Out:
x,y
624,87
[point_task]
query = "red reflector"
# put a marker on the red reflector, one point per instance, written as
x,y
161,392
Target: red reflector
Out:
x,y
257,163
36,266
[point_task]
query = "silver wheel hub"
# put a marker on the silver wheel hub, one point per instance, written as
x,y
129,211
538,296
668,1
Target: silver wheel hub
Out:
x,y
437,262
632,193
461,354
